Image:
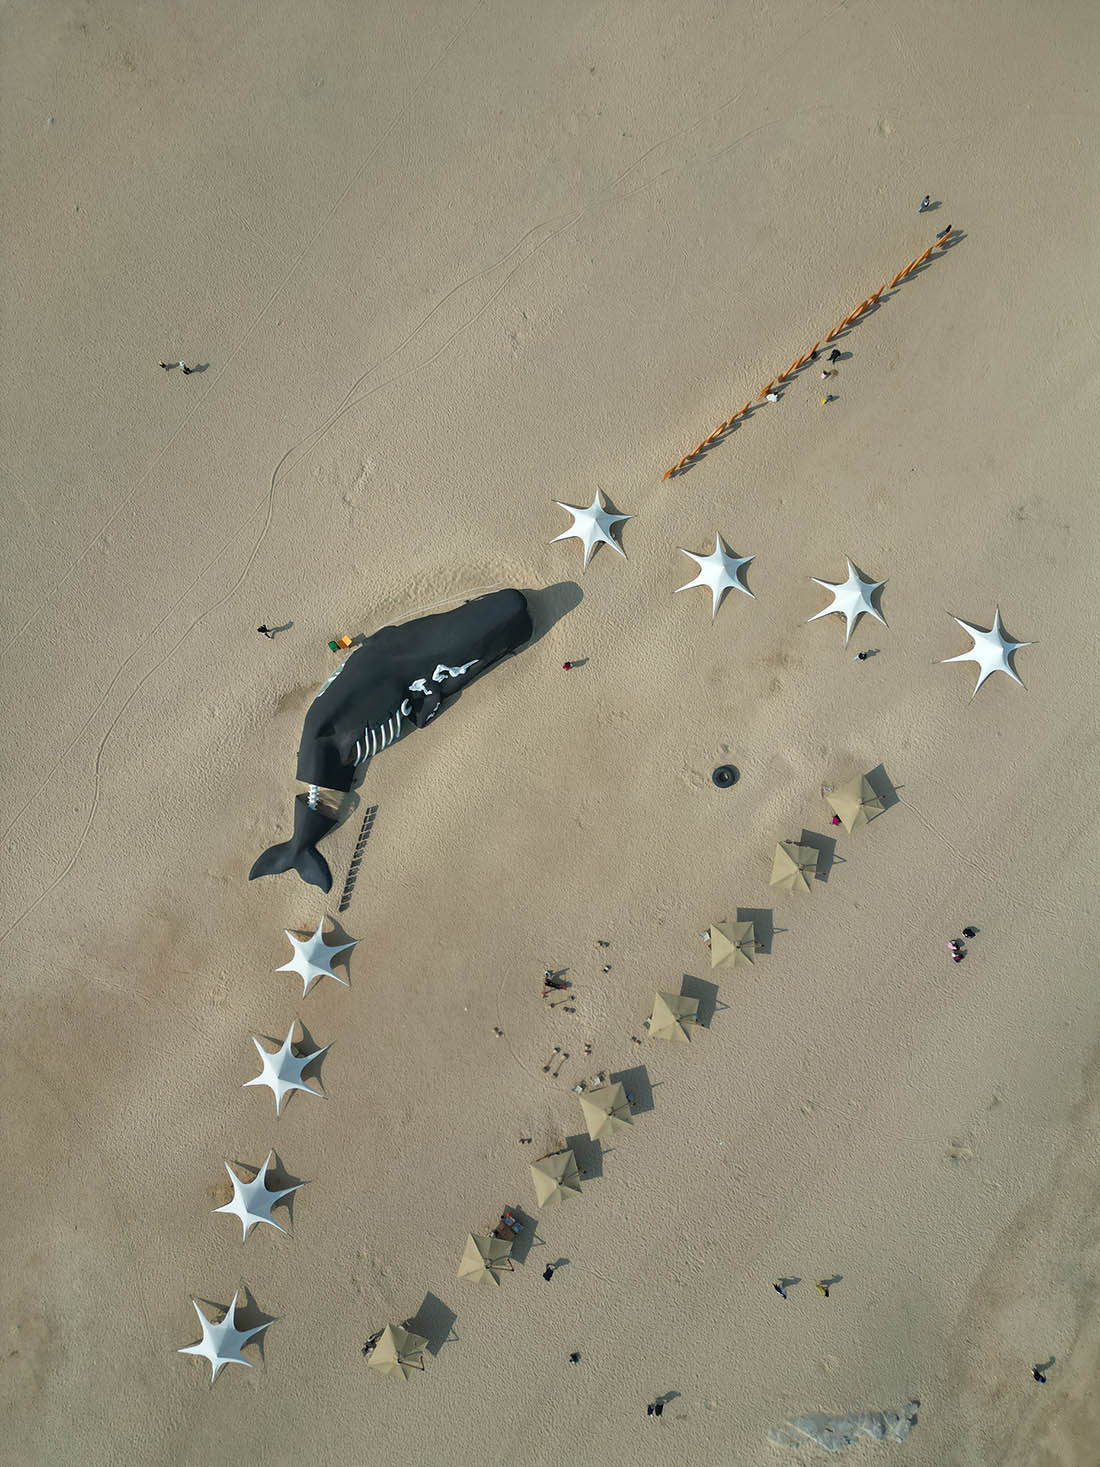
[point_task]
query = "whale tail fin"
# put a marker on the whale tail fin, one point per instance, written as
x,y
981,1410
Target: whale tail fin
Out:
x,y
310,825
310,865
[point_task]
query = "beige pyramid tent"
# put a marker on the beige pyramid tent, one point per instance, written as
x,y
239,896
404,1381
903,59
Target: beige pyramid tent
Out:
x,y
398,1352
855,802
672,1013
555,1177
606,1110
794,866
732,944
483,1257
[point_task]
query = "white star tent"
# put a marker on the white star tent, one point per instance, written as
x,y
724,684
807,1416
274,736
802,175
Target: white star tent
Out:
x,y
592,526
851,598
313,958
282,1071
253,1201
719,571
992,650
221,1344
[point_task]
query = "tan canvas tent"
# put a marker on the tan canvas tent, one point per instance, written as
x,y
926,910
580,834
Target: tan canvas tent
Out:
x,y
672,1014
794,866
732,944
555,1177
855,802
606,1110
398,1352
483,1257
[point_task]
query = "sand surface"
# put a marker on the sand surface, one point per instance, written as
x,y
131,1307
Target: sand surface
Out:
x,y
444,265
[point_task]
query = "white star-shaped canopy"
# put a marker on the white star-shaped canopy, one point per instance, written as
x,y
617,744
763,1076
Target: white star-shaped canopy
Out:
x,y
282,1071
592,526
851,598
221,1344
313,958
253,1201
992,650
719,571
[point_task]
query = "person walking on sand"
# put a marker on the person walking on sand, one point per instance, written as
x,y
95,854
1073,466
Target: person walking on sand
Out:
x,y
780,1288
548,1272
186,369
1038,1375
834,355
924,203
944,233
822,1288
861,657
265,631
167,365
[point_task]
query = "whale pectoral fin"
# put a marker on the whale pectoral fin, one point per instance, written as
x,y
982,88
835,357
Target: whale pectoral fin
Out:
x,y
425,708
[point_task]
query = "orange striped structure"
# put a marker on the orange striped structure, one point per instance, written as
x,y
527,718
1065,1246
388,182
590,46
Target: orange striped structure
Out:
x,y
872,300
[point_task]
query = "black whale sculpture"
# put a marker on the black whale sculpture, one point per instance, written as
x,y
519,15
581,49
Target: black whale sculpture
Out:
x,y
397,679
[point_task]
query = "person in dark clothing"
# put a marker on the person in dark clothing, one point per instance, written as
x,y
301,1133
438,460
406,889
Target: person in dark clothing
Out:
x,y
265,631
834,355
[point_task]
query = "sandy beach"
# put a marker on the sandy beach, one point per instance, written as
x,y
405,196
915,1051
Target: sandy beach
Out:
x,y
438,267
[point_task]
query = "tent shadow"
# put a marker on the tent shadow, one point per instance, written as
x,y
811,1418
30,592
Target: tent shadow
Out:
x,y
706,993
336,934
636,1083
312,1071
435,1321
884,787
876,594
527,1238
763,922
251,1316
589,1155
825,846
